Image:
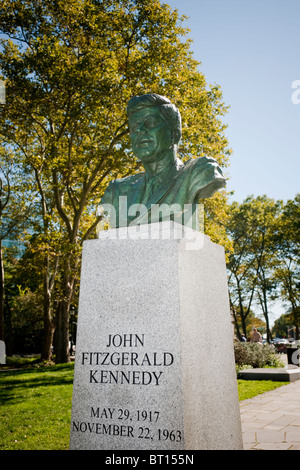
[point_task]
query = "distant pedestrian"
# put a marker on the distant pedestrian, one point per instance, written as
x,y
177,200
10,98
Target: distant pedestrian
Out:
x,y
243,339
256,336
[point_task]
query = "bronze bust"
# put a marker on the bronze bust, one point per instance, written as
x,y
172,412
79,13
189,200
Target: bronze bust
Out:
x,y
168,189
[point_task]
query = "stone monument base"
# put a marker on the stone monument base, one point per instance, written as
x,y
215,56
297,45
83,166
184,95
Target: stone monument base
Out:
x,y
154,364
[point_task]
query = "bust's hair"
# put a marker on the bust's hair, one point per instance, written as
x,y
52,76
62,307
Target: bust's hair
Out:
x,y
168,111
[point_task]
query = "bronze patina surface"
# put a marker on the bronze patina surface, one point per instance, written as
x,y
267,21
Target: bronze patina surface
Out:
x,y
168,189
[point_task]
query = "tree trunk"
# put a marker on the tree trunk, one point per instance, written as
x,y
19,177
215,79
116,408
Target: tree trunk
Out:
x,y
49,328
242,314
244,326
49,324
62,349
236,324
269,335
264,305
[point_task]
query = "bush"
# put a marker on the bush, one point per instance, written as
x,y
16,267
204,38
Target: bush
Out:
x,y
27,322
256,355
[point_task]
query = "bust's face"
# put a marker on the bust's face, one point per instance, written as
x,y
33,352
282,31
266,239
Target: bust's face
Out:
x,y
150,134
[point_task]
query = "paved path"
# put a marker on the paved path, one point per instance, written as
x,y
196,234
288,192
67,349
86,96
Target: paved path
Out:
x,y
271,421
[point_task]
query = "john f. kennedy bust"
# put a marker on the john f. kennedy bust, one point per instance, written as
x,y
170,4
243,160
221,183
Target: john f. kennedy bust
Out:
x,y
168,189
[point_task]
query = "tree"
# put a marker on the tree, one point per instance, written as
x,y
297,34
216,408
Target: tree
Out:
x,y
266,286
282,326
4,199
27,321
288,266
14,213
251,321
38,271
216,219
70,68
251,227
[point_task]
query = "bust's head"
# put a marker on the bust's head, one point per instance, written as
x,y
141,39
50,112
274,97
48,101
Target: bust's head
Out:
x,y
155,126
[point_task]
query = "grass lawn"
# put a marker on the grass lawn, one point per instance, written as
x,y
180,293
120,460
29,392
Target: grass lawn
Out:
x,y
35,406
251,388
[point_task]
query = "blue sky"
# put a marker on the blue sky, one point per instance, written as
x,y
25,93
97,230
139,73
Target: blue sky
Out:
x,y
251,49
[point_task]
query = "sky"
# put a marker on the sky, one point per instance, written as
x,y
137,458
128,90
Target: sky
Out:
x,y
251,49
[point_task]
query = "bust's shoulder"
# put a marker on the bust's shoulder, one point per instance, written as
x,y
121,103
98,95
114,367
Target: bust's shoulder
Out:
x,y
205,168
205,177
126,181
121,186
129,179
201,163
129,183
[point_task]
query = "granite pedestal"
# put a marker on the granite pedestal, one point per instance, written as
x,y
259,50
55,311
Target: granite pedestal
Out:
x,y
154,364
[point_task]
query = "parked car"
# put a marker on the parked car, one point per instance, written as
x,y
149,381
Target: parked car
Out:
x,y
280,344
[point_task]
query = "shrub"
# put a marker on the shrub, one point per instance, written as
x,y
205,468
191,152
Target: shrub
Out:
x,y
256,355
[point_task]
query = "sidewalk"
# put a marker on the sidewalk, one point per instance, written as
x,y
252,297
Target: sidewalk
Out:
x,y
271,421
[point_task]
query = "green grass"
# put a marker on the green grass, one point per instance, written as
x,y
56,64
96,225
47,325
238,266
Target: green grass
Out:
x,y
35,408
251,388
35,405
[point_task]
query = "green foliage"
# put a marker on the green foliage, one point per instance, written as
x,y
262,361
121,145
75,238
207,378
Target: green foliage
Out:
x,y
70,70
256,355
251,321
216,220
282,326
27,322
287,271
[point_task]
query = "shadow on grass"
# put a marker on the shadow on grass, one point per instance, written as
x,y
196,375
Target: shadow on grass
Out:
x,y
14,381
